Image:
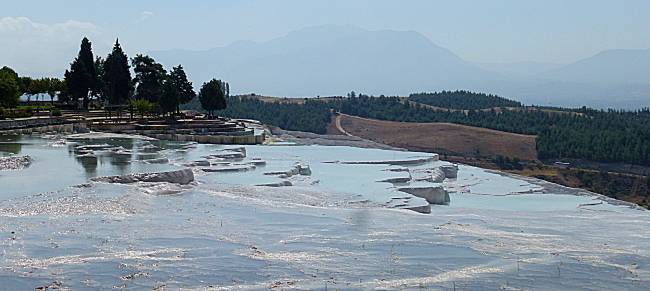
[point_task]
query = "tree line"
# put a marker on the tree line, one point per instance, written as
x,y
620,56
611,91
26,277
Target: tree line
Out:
x,y
109,81
462,100
310,116
99,82
13,86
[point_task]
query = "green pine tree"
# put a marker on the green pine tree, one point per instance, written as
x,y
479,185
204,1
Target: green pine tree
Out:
x,y
82,78
117,76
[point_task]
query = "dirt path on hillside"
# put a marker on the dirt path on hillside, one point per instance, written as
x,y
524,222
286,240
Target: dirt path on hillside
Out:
x,y
339,127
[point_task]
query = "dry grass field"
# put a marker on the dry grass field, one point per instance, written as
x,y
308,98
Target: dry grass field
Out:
x,y
443,138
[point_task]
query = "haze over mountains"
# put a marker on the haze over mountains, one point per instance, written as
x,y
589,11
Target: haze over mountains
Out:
x,y
333,60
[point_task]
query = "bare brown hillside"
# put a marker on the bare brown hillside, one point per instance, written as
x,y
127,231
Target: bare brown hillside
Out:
x,y
444,138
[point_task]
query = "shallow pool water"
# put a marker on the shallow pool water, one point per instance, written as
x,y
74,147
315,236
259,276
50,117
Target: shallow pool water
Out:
x,y
331,230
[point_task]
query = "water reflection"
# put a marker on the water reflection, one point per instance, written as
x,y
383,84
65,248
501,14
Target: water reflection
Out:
x,y
10,144
115,152
89,165
121,162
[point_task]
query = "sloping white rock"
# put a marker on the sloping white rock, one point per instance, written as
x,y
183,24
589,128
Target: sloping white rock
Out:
x,y
437,175
451,171
396,180
303,169
426,209
416,204
157,161
434,175
405,177
297,169
231,153
184,176
284,183
106,135
201,163
258,162
14,163
433,194
410,161
230,168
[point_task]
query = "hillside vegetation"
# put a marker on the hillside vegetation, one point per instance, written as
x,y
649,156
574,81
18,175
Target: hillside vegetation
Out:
x,y
604,136
310,115
462,100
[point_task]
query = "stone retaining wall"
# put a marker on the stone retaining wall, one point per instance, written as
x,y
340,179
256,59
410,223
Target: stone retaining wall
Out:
x,y
22,123
47,125
213,139
117,127
59,128
236,137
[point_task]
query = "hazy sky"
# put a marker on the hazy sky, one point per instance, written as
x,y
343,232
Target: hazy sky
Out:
x,y
43,36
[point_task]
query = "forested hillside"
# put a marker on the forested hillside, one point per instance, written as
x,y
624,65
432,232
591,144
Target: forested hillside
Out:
x,y
605,136
311,116
462,100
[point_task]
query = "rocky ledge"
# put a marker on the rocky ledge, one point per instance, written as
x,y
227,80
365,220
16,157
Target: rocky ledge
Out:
x,y
297,169
14,163
183,177
433,195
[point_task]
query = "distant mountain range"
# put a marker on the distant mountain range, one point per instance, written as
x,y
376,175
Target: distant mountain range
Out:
x,y
334,60
612,66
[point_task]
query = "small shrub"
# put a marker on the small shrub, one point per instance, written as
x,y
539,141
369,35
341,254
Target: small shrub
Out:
x,y
141,106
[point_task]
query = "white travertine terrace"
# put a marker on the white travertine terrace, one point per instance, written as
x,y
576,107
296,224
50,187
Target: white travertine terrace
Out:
x,y
14,163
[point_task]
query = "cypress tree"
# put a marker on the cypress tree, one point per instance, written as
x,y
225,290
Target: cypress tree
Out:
x,y
83,75
99,88
77,82
117,76
88,60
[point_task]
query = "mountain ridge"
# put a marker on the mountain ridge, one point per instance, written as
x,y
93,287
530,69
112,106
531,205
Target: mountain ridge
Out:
x,y
335,59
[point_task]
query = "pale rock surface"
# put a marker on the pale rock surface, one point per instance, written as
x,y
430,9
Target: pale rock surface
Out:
x,y
184,176
451,171
277,184
14,163
433,194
